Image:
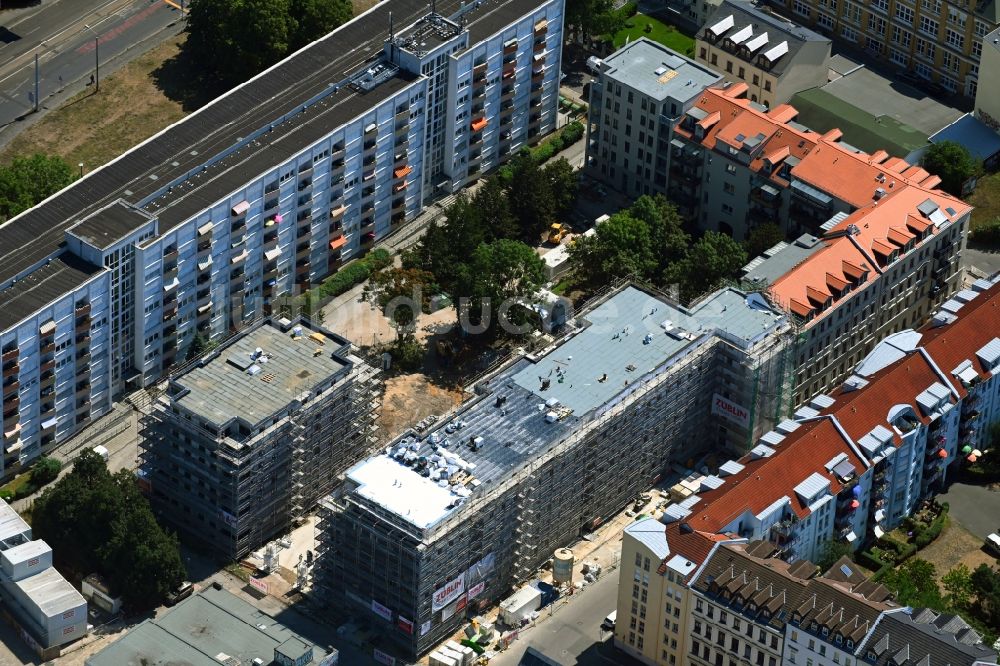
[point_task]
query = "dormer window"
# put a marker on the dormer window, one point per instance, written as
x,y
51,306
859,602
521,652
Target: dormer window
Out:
x,y
825,631
838,639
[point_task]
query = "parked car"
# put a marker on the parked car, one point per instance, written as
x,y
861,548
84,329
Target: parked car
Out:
x,y
180,593
609,621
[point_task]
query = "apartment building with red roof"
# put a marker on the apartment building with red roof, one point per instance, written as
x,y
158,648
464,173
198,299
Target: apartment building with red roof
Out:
x,y
854,463
736,554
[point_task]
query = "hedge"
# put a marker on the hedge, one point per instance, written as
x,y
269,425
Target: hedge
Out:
x,y
629,9
987,233
925,537
355,273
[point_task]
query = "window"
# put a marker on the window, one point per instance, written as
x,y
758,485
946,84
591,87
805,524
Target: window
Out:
x,y
729,188
929,27
899,57
800,7
703,53
715,59
900,36
904,13
756,80
742,73
954,38
825,21
950,84
729,66
925,49
767,85
849,34
876,24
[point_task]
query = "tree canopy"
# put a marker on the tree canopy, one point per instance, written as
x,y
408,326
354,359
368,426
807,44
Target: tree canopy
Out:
x,y
98,521
402,294
914,584
236,39
714,257
952,163
29,180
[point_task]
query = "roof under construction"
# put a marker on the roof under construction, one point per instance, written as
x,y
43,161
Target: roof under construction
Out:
x,y
534,403
260,373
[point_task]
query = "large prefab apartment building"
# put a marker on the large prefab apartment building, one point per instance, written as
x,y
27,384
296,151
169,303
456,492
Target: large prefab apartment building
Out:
x,y
266,190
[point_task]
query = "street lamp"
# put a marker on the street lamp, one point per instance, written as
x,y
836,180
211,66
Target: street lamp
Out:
x,y
81,169
97,58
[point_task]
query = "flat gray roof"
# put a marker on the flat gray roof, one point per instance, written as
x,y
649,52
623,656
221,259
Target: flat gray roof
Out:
x,y
658,71
43,286
198,631
510,407
222,387
880,96
12,524
110,224
626,339
782,258
51,592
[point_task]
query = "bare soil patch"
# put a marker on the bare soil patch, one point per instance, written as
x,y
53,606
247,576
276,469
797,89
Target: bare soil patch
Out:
x,y
408,399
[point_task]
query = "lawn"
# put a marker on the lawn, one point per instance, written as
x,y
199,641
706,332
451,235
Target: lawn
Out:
x,y
668,35
986,199
94,128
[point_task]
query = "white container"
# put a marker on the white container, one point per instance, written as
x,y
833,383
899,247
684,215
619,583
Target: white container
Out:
x,y
520,605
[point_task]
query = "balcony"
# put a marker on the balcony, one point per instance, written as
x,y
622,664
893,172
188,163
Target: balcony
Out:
x,y
9,355
541,28
81,311
169,255
11,370
539,45
47,347
398,218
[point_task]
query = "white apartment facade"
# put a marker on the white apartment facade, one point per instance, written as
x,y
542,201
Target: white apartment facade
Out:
x,y
179,238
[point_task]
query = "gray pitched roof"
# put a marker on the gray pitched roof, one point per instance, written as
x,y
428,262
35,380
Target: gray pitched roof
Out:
x,y
924,637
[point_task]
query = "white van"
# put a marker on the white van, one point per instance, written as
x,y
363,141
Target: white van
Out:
x,y
993,543
102,451
609,621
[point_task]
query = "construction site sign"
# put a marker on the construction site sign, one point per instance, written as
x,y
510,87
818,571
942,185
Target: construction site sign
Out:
x,y
258,584
476,590
730,410
383,657
451,591
381,610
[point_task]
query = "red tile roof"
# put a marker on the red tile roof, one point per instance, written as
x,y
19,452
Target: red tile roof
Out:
x,y
765,480
978,323
691,544
846,256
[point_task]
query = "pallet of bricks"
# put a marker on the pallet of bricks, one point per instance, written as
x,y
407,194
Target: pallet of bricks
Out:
x,y
452,654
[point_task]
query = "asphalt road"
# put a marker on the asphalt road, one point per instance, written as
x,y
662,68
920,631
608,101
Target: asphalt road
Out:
x,y
66,49
572,635
975,507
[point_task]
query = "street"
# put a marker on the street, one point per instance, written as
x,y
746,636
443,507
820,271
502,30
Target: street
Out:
x,y
975,507
572,634
67,50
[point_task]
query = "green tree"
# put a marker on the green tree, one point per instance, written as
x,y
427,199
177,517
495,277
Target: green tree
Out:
x,y
563,183
446,249
493,207
713,258
763,237
311,19
236,39
620,247
986,586
531,200
503,273
666,228
29,180
914,584
952,163
831,551
401,294
588,17
45,470
958,584
96,521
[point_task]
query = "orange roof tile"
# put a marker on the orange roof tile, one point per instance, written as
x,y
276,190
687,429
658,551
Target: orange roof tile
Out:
x,y
849,256
776,156
783,113
917,223
801,309
710,119
882,247
816,296
765,480
899,236
978,323
836,283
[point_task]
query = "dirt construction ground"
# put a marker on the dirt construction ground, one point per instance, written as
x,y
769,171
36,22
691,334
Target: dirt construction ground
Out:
x,y
408,399
956,545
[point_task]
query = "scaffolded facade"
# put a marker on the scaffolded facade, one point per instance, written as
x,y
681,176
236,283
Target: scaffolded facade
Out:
x,y
528,477
246,440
